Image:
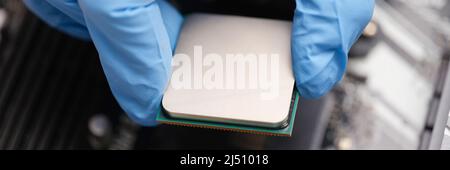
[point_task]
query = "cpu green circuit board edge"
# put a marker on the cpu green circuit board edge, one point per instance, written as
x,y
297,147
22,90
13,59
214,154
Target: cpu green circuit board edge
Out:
x,y
164,118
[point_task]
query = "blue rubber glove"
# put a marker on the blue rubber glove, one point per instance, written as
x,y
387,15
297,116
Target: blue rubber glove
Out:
x,y
134,38
323,33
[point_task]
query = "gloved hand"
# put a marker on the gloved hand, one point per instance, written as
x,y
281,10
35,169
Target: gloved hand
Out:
x,y
323,33
134,39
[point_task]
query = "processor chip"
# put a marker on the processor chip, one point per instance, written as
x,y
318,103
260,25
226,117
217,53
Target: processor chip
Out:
x,y
232,73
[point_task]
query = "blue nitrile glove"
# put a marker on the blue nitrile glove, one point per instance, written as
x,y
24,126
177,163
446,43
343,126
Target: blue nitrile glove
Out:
x,y
323,32
134,38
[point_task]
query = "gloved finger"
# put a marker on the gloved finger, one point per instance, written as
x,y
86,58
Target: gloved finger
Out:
x,y
171,17
135,51
57,19
172,20
70,8
323,33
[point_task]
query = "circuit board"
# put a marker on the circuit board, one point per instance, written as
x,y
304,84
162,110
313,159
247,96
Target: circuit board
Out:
x,y
286,131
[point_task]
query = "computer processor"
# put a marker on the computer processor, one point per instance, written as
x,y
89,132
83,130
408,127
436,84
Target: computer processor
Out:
x,y
232,73
286,131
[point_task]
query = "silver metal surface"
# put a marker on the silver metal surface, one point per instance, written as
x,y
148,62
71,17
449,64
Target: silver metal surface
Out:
x,y
239,37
